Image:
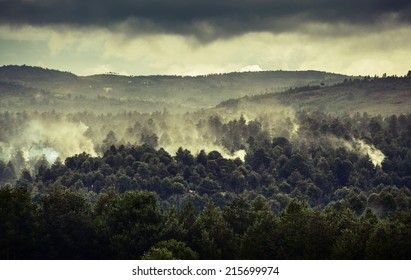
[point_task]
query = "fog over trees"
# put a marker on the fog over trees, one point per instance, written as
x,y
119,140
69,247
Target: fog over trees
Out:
x,y
273,176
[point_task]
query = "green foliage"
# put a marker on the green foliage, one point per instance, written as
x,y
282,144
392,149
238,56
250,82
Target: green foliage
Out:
x,y
316,196
212,237
68,223
260,239
19,225
131,222
170,250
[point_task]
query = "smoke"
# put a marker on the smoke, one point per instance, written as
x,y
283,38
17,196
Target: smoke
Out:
x,y
183,131
226,130
295,128
52,139
194,131
238,154
35,153
65,138
362,148
83,127
358,146
375,155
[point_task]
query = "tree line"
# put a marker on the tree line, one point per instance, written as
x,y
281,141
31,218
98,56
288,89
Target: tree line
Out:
x,y
309,194
132,225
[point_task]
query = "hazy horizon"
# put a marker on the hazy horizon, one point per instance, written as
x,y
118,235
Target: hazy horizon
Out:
x,y
245,70
184,38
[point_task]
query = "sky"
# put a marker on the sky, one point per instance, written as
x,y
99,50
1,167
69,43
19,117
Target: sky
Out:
x,y
196,37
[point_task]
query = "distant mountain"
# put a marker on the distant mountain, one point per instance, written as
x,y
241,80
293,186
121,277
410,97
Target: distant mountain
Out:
x,y
376,96
27,87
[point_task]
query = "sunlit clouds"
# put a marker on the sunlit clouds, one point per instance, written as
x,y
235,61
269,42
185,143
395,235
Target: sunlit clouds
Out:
x,y
144,38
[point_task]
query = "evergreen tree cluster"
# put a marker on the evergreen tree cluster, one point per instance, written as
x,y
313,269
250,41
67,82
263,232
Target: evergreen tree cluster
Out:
x,y
311,194
132,225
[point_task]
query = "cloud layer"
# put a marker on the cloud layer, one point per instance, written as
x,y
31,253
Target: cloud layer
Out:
x,y
190,37
206,20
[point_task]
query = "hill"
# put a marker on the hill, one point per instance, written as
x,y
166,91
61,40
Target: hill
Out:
x,y
26,87
384,96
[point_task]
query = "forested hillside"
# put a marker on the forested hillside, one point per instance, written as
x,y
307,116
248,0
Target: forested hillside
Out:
x,y
376,96
316,186
115,167
205,130
33,88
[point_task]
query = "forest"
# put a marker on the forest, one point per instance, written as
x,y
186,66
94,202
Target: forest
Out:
x,y
205,130
268,184
25,88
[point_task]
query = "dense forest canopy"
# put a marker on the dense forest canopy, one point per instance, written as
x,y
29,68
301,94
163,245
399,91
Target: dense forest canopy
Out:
x,y
253,178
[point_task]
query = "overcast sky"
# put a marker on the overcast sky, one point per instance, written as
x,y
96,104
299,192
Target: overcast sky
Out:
x,y
189,37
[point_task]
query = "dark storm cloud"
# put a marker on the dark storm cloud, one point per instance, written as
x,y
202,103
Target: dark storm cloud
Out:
x,y
205,19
